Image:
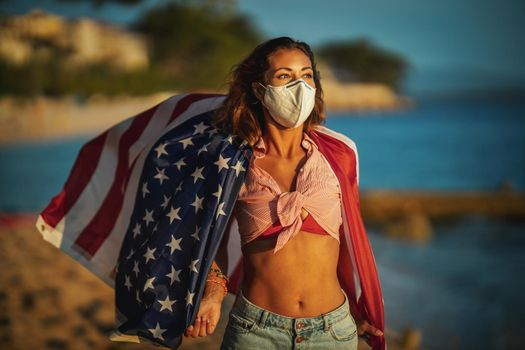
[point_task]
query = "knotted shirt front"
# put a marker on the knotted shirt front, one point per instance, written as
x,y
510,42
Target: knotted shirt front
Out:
x,y
261,202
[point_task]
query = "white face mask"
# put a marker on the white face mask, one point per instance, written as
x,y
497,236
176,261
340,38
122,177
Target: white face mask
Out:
x,y
290,104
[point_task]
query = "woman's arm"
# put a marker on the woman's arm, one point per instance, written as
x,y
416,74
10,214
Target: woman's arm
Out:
x,y
209,311
210,306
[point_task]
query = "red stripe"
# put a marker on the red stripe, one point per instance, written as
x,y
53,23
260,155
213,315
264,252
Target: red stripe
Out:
x,y
94,234
187,101
79,177
370,304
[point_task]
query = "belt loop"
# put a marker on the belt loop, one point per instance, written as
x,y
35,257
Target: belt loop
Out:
x,y
262,318
326,323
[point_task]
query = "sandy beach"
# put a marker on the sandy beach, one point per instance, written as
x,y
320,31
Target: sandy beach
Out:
x,y
49,301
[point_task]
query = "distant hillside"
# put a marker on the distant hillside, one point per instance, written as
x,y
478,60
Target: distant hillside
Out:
x,y
41,36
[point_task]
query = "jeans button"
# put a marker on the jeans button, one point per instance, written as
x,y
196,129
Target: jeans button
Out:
x,y
299,339
300,325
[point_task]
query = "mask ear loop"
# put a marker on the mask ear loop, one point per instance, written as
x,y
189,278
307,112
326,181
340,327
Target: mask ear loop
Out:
x,y
265,89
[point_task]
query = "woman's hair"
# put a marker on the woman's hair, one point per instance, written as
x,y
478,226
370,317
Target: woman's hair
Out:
x,y
241,112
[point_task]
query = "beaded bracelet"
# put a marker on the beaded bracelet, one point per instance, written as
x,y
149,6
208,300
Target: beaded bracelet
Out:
x,y
222,284
219,273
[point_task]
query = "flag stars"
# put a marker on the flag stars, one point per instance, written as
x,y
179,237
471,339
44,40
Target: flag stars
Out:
x,y
173,214
161,149
203,149
136,230
166,202
157,332
179,164
193,266
161,176
148,217
218,193
197,203
179,188
220,210
145,189
186,142
130,254
149,283
238,168
149,255
156,227
222,163
174,244
173,275
197,174
196,233
189,298
199,128
166,304
136,268
128,282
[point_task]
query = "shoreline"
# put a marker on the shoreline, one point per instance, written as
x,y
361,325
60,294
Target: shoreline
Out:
x,y
44,119
404,214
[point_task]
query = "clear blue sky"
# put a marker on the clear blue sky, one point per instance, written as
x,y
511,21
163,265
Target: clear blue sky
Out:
x,y
452,44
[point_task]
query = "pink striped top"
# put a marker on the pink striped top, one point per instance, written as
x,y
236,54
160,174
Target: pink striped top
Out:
x,y
261,202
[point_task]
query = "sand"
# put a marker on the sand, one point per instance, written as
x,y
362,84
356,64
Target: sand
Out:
x,y
49,301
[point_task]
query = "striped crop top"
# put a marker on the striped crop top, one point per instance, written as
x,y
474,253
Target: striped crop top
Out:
x,y
262,210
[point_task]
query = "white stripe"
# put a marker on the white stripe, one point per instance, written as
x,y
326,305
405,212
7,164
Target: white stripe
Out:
x,y
346,140
107,254
86,206
82,212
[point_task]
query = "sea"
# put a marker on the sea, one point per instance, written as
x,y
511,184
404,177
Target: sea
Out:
x,y
462,289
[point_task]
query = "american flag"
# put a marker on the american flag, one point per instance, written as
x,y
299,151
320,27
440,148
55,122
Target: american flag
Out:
x,y
148,201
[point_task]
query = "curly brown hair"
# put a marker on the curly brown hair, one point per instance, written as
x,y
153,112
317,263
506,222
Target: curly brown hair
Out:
x,y
241,112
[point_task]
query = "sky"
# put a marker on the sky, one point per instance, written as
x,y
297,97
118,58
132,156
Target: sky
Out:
x,y
450,44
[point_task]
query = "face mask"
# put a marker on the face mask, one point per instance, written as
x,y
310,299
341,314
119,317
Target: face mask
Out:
x,y
290,104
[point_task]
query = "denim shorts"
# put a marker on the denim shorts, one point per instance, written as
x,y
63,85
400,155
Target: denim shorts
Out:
x,y
252,327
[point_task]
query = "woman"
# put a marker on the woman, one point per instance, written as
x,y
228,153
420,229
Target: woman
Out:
x,y
288,211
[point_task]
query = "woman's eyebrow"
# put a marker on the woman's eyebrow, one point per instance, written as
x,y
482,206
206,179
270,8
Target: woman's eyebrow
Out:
x,y
289,69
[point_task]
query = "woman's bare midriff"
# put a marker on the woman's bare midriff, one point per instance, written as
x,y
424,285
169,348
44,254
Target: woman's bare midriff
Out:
x,y
300,280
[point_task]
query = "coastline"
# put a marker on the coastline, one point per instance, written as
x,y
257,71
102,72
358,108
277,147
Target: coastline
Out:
x,y
42,119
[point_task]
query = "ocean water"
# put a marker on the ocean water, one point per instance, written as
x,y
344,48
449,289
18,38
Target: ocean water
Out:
x,y
462,289
454,145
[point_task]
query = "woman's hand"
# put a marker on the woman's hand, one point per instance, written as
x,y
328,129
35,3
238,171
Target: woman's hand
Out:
x,y
209,312
365,329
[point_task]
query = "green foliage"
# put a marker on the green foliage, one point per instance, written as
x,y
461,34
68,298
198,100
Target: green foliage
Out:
x,y
360,61
192,47
197,45
51,79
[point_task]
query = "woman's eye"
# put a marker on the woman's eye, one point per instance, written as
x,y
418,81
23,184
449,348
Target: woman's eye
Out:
x,y
308,75
283,76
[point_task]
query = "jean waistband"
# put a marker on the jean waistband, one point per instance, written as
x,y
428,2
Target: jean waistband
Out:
x,y
245,308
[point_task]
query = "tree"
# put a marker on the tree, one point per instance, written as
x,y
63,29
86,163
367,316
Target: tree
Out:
x,y
360,61
196,45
